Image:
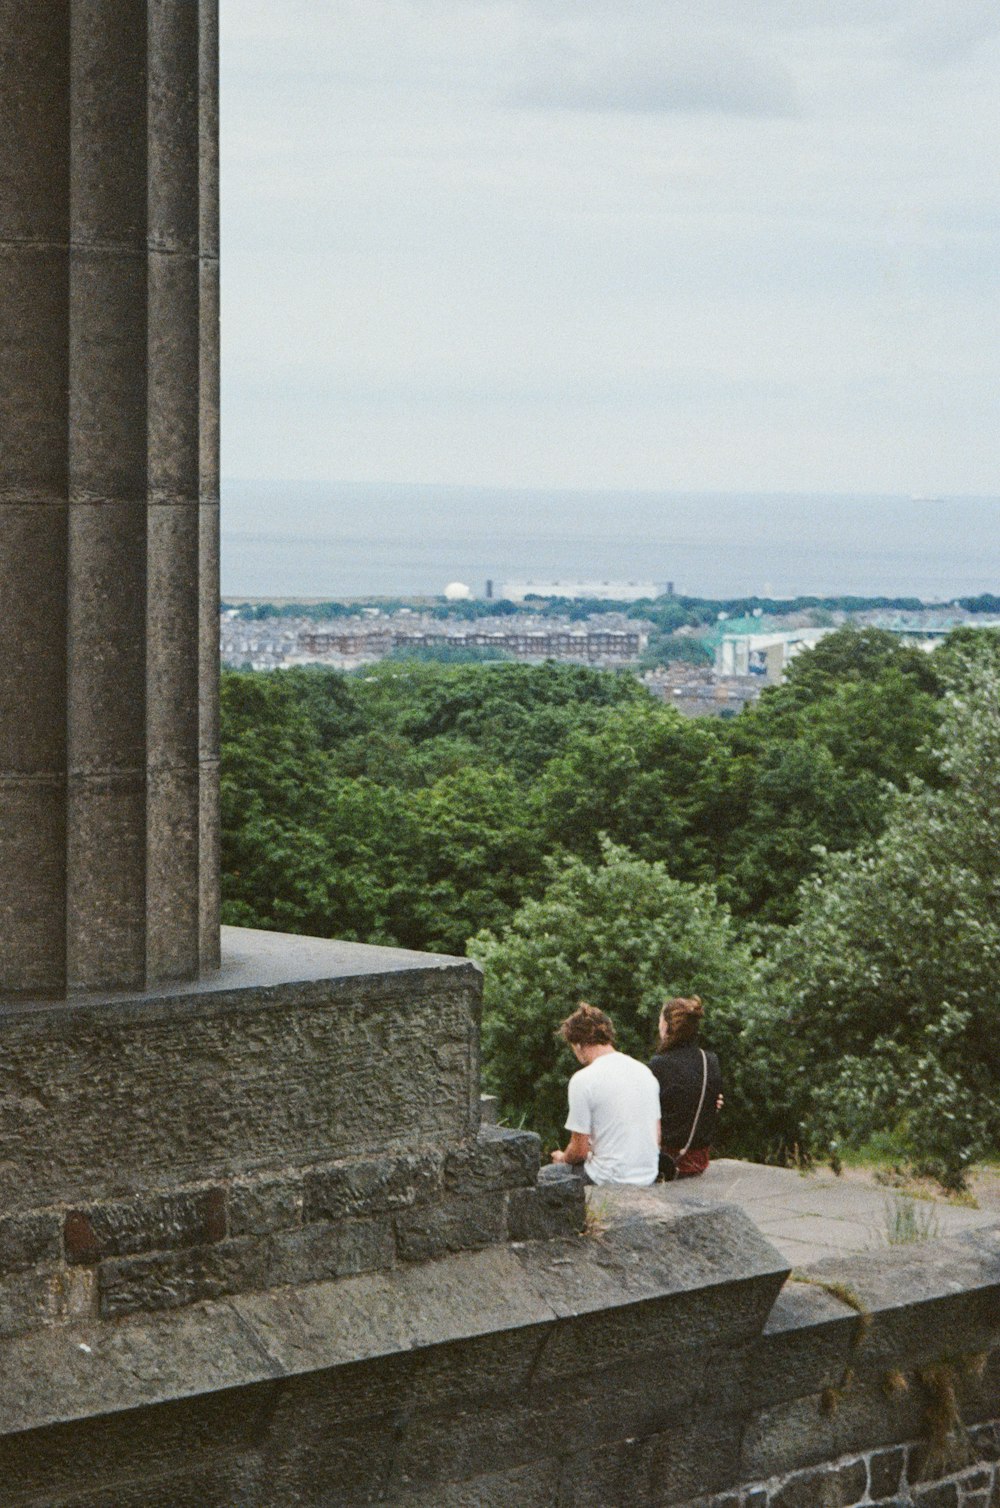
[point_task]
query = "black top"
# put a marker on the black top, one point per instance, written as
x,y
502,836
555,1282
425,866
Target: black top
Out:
x,y
679,1074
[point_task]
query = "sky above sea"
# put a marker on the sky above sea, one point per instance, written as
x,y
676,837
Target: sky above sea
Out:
x,y
559,244
311,539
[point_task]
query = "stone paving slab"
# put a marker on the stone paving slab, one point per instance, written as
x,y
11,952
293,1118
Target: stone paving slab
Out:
x,y
815,1215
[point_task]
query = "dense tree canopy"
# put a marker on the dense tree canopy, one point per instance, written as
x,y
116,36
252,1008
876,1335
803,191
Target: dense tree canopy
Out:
x,y
593,840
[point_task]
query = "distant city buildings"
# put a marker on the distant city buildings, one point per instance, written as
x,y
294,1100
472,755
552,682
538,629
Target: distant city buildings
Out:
x,y
585,591
608,640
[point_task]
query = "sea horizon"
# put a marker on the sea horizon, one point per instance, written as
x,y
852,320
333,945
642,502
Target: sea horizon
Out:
x,y
343,540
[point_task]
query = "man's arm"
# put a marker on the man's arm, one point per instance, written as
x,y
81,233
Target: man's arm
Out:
x,y
577,1150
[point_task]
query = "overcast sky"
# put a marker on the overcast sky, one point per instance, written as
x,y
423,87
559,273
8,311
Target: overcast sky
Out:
x,y
720,244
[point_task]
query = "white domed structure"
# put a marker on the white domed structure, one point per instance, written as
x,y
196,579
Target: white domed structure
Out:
x,y
457,591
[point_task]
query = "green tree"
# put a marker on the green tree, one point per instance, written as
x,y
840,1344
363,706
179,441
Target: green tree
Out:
x,y
879,1006
623,934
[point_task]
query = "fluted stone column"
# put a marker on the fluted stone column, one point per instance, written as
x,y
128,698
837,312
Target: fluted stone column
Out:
x,y
108,493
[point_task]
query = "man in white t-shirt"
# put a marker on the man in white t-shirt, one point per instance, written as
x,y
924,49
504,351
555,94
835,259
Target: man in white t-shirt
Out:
x,y
614,1106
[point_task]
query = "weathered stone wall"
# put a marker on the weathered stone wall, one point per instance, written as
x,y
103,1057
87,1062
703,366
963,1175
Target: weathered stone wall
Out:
x,y
655,1360
298,1225
299,1051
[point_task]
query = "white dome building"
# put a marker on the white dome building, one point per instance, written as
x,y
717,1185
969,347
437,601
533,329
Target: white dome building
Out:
x,y
457,591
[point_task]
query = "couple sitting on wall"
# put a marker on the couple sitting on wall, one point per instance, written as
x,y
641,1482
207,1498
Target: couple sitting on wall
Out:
x,y
633,1124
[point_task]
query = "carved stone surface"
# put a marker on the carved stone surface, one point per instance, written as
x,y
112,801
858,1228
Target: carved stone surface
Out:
x,y
108,494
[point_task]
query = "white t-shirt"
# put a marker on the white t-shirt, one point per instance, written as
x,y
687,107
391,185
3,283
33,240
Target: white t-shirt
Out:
x,y
615,1101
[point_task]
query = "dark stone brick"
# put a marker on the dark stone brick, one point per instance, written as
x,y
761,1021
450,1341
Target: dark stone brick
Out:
x,y
937,1495
331,1250
755,1498
26,1240
258,1206
168,1280
168,1222
497,1159
984,1440
27,1299
457,1225
885,1469
827,1487
366,1246
557,1209
371,1186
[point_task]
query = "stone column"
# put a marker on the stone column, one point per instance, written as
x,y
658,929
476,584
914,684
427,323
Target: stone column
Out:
x,y
108,494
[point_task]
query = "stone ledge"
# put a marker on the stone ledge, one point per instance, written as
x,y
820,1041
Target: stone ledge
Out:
x,y
549,1293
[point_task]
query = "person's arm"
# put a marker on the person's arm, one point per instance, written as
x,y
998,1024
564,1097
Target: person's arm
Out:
x,y
577,1124
577,1149
659,1133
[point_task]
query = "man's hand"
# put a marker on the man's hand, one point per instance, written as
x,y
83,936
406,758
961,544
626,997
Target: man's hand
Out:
x,y
721,1100
577,1151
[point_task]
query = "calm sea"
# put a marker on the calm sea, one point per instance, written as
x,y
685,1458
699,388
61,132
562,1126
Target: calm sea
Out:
x,y
307,539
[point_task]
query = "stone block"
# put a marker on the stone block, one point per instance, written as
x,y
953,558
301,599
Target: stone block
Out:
x,y
174,367
172,873
298,1051
187,1441
108,449
836,1486
172,651
457,1224
34,123
30,1239
497,1159
122,1228
108,183
28,1300
331,1250
34,322
690,1458
209,853
105,890
938,1495
371,1186
534,1486
168,1280
258,1206
107,635
208,381
33,927
208,631
885,1472
33,554
551,1210
174,47
984,1440
811,1430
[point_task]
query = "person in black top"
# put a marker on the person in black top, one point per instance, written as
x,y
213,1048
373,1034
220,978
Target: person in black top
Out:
x,y
679,1069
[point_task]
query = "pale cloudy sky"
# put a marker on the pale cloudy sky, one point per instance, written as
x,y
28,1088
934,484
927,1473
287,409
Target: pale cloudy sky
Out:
x,y
717,244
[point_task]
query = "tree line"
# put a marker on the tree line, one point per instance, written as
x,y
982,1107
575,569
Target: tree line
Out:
x,y
812,868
